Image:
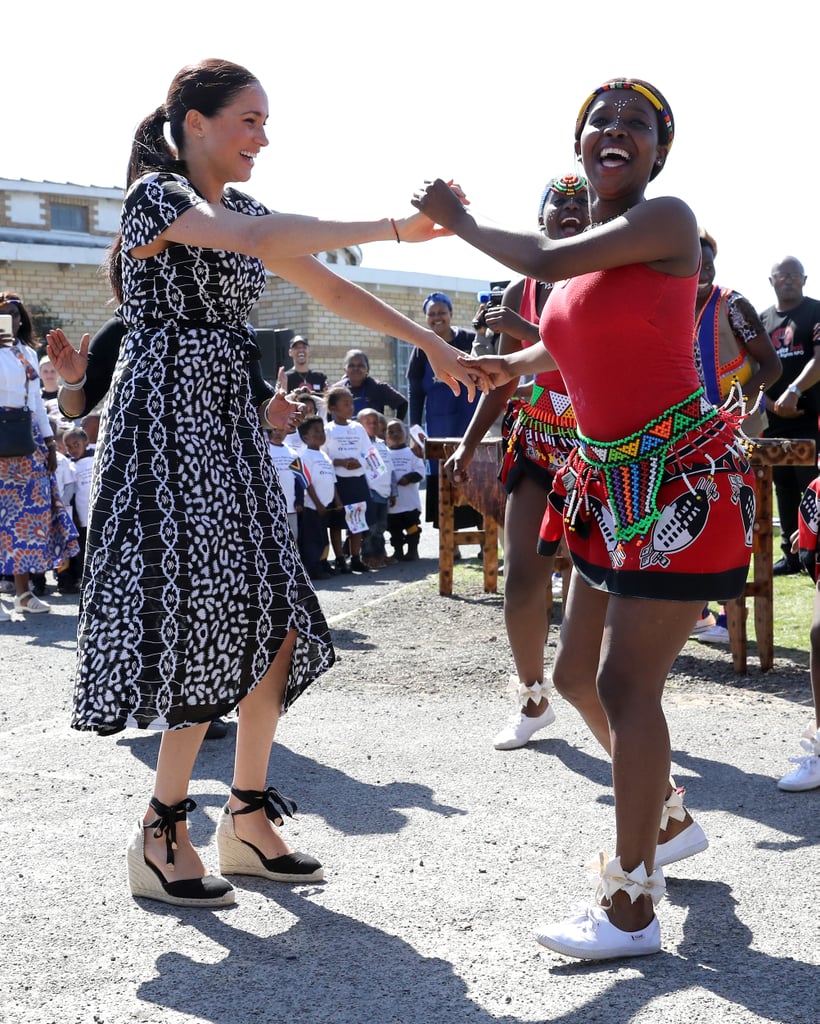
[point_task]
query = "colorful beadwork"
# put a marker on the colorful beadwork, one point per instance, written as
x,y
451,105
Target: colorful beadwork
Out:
x,y
646,90
568,185
633,466
546,428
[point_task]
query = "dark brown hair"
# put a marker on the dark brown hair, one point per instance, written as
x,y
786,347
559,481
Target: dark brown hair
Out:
x,y
208,87
26,331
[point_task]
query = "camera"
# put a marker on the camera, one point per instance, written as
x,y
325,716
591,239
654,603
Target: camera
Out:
x,y
490,298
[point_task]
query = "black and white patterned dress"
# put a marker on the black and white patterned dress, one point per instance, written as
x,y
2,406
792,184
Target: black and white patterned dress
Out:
x,y
192,579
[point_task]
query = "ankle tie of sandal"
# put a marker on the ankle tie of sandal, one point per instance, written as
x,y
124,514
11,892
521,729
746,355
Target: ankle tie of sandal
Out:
x,y
524,692
612,877
270,800
166,823
673,807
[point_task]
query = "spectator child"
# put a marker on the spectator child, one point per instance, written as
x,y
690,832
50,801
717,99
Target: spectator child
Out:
x,y
374,553
82,457
347,444
311,408
320,497
404,517
282,456
67,579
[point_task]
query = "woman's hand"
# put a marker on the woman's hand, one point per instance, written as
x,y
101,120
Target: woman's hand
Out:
x,y
282,379
455,468
502,318
442,202
447,367
786,406
280,412
51,460
70,364
494,369
421,228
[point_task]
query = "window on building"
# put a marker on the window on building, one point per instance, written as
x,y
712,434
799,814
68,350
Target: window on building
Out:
x,y
68,217
402,351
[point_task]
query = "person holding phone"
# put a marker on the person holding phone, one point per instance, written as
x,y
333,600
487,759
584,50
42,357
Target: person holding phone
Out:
x,y
36,531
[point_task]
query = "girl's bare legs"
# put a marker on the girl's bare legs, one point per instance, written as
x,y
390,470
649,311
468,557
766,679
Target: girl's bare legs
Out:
x,y
259,714
576,668
641,640
177,753
526,578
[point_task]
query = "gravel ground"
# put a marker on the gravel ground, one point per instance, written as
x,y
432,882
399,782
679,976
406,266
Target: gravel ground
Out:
x,y
440,852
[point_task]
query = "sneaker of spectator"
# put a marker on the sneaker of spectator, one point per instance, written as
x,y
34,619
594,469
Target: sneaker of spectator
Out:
x,y
717,634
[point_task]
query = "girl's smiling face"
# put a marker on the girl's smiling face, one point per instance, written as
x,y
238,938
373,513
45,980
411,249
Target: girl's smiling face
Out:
x,y
619,144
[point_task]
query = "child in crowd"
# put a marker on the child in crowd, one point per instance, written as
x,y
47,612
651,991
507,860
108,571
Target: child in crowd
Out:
x,y
320,497
374,553
806,543
404,517
82,457
311,408
67,577
347,444
282,456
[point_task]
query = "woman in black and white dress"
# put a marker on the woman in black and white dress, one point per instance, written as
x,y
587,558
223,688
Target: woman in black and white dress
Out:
x,y
194,599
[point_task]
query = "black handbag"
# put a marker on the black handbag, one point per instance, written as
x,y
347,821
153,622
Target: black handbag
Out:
x,y
16,431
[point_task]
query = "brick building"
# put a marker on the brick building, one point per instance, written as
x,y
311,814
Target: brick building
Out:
x,y
53,239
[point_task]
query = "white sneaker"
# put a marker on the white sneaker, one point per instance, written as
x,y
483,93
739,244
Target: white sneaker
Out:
x,y
805,776
807,773
713,635
33,605
519,729
557,584
685,844
4,615
592,936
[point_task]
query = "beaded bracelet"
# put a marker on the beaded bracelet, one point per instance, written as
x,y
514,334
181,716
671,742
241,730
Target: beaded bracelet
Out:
x,y
396,230
76,386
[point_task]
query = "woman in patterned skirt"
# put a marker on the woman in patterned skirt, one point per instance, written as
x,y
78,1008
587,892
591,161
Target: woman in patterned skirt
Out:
x,y
194,599
656,501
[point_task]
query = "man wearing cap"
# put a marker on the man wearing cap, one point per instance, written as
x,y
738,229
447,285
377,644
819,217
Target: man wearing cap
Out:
x,y
300,376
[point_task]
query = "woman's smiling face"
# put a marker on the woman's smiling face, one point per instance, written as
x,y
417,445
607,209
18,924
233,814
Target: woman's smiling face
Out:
x,y
619,144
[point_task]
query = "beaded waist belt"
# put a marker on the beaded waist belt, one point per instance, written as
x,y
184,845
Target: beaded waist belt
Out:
x,y
548,418
633,466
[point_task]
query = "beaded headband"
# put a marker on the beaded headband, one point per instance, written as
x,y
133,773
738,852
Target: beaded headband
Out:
x,y
646,90
568,185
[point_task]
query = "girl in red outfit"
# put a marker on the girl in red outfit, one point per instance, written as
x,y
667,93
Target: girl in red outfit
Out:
x,y
657,501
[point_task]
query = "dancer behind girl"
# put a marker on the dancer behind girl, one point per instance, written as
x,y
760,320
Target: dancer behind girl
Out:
x,y
194,598
658,508
806,543
541,437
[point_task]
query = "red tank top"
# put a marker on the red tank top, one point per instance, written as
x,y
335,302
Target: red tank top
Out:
x,y
549,380
622,339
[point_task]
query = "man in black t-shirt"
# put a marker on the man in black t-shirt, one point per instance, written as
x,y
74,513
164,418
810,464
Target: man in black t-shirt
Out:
x,y
300,375
793,401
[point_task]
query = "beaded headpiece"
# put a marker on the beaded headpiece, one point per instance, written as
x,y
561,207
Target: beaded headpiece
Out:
x,y
567,185
665,120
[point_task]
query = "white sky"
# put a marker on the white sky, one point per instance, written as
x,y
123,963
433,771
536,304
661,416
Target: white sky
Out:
x,y
369,98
